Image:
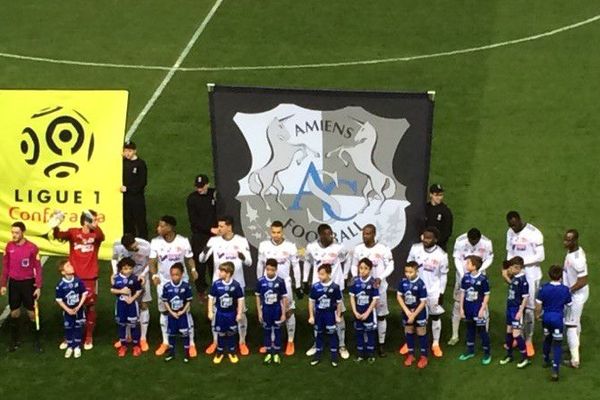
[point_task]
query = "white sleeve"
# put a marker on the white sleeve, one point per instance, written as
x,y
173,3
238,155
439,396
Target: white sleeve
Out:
x,y
354,264
260,262
187,248
489,257
388,263
460,269
581,267
537,249
411,254
113,264
246,252
203,257
444,273
153,249
307,264
295,266
509,252
345,258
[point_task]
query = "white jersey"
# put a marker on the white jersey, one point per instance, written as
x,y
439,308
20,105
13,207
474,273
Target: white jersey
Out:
x,y
433,267
575,267
316,255
140,257
528,244
224,250
381,257
169,253
463,248
286,255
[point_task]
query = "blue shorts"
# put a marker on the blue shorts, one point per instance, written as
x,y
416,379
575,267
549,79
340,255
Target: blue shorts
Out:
x,y
325,322
369,324
127,314
225,322
553,325
271,317
511,312
472,311
74,321
180,326
420,320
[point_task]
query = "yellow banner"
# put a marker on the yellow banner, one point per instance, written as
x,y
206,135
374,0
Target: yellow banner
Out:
x,y
61,150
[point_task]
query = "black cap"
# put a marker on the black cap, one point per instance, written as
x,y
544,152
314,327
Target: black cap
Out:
x,y
129,145
201,180
436,188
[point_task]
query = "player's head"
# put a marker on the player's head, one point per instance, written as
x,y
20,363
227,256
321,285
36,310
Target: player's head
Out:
x,y
65,268
176,272
555,273
515,265
571,239
271,268
430,237
364,267
125,266
129,150
128,241
513,218
166,225
17,231
277,232
474,263
411,270
474,236
368,234
436,194
225,225
325,234
324,272
89,219
226,270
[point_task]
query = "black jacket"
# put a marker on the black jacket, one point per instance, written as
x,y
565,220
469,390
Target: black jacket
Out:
x,y
135,176
202,212
440,217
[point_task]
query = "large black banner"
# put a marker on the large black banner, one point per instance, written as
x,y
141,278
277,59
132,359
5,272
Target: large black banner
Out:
x,y
305,157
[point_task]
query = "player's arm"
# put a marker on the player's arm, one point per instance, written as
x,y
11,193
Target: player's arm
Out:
x,y
153,264
372,305
240,309
169,309
582,278
388,263
211,305
258,307
486,298
260,262
338,311
138,292
345,258
189,260
311,311
353,305
296,268
522,306
308,261
245,255
489,258
37,273
61,235
99,234
206,252
400,299
461,297
284,306
5,270
421,306
538,309
64,307
354,264
537,247
443,279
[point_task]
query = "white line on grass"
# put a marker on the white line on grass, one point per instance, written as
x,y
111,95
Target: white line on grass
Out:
x,y
172,71
299,66
6,311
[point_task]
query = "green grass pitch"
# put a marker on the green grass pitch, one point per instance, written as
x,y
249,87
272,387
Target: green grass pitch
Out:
x,y
515,127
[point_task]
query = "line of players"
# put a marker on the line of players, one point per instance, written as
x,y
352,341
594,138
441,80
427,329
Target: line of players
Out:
x,y
523,240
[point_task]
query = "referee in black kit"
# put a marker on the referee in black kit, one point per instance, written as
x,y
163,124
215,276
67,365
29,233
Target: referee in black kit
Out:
x,y
135,178
437,214
202,214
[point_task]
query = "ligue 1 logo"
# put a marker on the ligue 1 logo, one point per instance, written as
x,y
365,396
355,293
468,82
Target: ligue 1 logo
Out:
x,y
59,139
322,166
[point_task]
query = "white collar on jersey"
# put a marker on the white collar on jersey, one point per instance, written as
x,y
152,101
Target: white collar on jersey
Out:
x,y
520,274
414,280
270,279
555,283
477,274
327,284
227,283
365,280
431,249
68,280
176,285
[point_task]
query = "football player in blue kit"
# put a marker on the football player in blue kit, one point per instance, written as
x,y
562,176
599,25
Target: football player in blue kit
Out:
x,y
127,288
177,297
364,296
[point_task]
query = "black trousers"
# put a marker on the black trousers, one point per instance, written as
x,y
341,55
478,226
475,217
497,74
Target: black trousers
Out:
x,y
134,215
205,270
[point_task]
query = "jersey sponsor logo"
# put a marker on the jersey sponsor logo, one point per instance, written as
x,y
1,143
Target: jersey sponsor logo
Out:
x,y
310,167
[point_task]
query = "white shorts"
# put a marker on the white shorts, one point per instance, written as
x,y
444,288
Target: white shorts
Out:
x,y
382,305
573,313
147,295
433,306
534,287
290,294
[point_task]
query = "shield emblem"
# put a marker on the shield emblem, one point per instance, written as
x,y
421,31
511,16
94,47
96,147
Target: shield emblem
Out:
x,y
311,167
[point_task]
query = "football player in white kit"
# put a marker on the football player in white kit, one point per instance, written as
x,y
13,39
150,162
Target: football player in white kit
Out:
x,y
326,251
526,241
167,249
286,254
139,250
433,269
575,276
228,246
472,243
383,266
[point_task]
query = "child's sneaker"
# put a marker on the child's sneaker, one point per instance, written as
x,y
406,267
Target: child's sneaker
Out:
x,y
69,352
218,358
312,351
422,363
233,358
211,348
77,352
466,356
404,349
371,360
554,376
170,356
63,345
359,359
268,359
262,350
334,364
409,360
486,360
290,349
277,359
192,352
244,350
523,364
315,361
506,360
122,351
144,345
186,359
117,345
137,351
